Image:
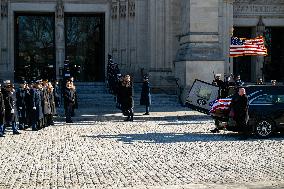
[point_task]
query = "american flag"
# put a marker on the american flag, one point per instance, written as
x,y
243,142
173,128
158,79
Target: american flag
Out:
x,y
220,104
242,47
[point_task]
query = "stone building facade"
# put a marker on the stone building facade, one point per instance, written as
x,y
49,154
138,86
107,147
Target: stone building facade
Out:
x,y
171,40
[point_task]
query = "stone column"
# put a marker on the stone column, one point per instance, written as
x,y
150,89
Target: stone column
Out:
x,y
59,38
5,71
258,60
200,52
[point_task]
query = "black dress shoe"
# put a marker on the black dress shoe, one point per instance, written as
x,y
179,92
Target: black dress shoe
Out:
x,y
1,135
16,133
214,130
146,114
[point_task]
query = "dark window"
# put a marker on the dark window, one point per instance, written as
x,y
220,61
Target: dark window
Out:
x,y
85,46
35,46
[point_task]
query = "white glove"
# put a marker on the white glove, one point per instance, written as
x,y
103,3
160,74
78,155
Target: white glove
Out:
x,y
20,108
34,108
12,111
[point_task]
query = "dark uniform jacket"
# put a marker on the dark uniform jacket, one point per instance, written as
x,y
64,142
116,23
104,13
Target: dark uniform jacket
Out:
x,y
145,98
21,102
36,101
10,106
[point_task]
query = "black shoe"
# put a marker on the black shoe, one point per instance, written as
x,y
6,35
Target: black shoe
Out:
x,y
216,130
147,113
69,121
1,135
52,123
16,133
34,129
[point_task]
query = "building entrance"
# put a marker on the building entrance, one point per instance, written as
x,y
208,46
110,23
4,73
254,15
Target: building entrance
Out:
x,y
34,46
274,62
85,46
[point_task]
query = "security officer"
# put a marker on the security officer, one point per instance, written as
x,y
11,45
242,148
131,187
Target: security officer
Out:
x,y
10,106
2,113
21,94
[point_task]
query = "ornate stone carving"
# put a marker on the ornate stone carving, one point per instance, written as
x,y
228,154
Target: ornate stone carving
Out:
x,y
4,8
114,8
257,9
131,8
59,9
122,9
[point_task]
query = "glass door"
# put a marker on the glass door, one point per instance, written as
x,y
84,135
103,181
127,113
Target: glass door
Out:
x,y
85,46
34,46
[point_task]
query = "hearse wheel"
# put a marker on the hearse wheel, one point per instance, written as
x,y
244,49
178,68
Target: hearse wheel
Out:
x,y
264,128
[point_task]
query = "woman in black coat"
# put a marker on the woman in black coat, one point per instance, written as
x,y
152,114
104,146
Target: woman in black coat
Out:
x,y
145,98
126,98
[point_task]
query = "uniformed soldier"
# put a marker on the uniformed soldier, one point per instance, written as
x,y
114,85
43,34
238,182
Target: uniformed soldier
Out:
x,y
10,106
2,113
36,103
21,94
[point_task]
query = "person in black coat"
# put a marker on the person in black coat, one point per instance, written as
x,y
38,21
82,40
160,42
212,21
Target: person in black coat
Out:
x,y
56,92
36,104
10,107
21,104
46,103
145,98
69,101
239,107
2,113
126,98
52,104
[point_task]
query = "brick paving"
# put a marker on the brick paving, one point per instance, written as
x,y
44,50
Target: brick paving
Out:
x,y
169,149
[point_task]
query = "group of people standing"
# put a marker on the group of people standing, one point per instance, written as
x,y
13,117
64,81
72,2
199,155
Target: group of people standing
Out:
x,y
31,105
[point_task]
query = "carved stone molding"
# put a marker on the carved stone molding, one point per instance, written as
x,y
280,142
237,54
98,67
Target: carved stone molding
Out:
x,y
259,2
114,8
131,8
258,9
4,8
122,9
59,9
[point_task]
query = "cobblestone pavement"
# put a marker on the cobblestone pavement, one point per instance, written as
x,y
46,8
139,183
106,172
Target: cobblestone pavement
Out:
x,y
170,150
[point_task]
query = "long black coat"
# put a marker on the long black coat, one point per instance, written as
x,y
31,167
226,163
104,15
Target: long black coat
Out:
x,y
21,102
10,106
126,97
239,105
145,98
2,109
69,97
36,101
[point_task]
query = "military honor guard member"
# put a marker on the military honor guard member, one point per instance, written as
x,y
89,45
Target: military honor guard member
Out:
x,y
21,95
10,107
145,98
69,101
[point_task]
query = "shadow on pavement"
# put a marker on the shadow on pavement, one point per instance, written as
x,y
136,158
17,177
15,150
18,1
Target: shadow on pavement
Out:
x,y
178,137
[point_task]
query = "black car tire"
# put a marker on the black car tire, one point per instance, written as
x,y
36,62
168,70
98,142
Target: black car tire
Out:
x,y
264,128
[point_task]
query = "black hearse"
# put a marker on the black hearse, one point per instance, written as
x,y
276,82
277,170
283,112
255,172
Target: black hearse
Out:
x,y
266,108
